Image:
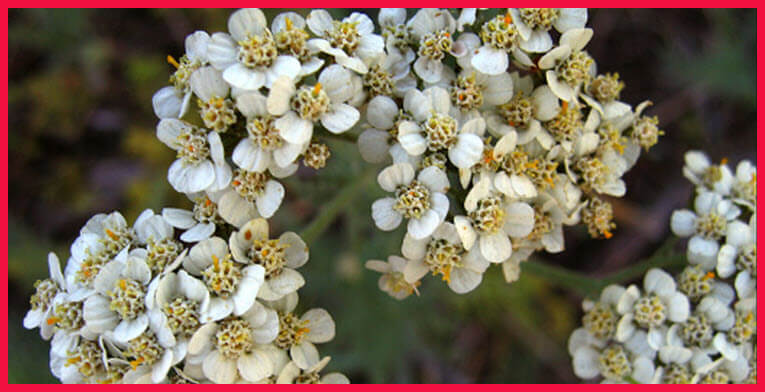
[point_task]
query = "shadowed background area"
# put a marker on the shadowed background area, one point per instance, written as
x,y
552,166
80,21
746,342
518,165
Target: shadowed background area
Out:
x,y
82,141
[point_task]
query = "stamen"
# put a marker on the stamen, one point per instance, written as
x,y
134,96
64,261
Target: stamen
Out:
x,y
172,61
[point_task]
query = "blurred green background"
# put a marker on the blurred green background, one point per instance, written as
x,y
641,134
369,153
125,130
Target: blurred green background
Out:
x,y
82,141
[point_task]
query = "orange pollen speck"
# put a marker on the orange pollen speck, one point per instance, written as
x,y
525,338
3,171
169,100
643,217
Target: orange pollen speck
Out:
x,y
122,283
316,89
172,61
508,18
236,183
208,202
724,161
52,320
111,234
709,275
462,97
248,235
191,148
215,262
447,35
607,234
134,364
564,106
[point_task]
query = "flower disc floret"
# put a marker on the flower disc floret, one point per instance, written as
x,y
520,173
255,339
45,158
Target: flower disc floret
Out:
x,y
127,298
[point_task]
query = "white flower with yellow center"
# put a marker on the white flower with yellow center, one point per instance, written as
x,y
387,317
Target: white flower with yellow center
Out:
x,y
293,374
215,108
177,307
251,195
499,37
491,221
263,148
249,57
739,253
351,42
279,257
434,129
42,302
68,325
200,165
441,253
432,29
236,348
652,309
534,24
389,76
291,38
149,359
744,191
706,226
392,22
701,172
567,66
476,90
392,280
103,238
118,308
173,101
422,200
300,107
234,285
199,222
299,334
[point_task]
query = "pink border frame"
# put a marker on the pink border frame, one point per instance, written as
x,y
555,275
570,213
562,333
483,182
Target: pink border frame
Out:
x,y
337,4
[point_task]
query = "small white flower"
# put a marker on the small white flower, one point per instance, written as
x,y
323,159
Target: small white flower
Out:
x,y
200,165
421,200
491,221
300,108
442,254
433,28
299,334
706,226
739,253
567,66
234,284
119,306
392,280
236,347
434,129
702,173
199,223
263,148
173,101
278,257
351,42
744,189
248,57
500,37
42,302
533,25
660,302
292,39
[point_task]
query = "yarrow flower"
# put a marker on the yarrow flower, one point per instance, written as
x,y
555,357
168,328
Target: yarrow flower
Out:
x,y
698,327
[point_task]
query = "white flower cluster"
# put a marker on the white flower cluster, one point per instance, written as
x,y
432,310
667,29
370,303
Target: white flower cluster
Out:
x,y
497,138
701,326
136,305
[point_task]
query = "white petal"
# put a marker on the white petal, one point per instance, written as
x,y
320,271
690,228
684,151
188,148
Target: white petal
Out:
x,y
271,199
294,129
395,175
467,151
495,247
340,118
244,78
425,225
490,61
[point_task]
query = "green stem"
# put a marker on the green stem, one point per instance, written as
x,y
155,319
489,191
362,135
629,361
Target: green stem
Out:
x,y
340,202
585,285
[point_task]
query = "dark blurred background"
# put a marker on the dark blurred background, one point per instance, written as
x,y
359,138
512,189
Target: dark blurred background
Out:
x,y
82,141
